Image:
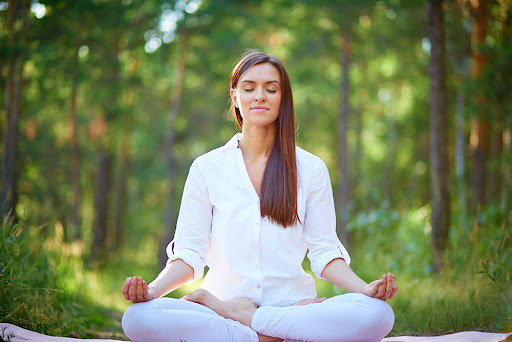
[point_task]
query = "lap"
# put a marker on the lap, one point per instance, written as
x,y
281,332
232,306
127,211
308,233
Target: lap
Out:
x,y
167,303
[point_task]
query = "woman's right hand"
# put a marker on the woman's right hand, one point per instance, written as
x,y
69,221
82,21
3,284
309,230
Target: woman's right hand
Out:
x,y
136,290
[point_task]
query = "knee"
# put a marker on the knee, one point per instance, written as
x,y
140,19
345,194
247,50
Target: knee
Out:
x,y
381,317
133,322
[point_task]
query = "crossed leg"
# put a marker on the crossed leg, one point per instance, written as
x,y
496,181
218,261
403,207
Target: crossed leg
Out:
x,y
174,320
352,317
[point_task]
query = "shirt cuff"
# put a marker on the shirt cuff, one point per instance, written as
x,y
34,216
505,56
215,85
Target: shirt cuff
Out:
x,y
189,257
319,264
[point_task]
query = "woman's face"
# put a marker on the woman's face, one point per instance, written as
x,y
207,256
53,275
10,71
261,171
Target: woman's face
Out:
x,y
258,95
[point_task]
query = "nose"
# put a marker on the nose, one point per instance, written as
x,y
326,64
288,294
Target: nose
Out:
x,y
259,95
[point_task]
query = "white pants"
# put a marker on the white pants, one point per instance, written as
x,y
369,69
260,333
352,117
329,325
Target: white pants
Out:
x,y
351,317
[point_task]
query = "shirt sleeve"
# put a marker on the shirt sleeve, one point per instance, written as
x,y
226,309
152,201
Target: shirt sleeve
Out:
x,y
193,228
320,223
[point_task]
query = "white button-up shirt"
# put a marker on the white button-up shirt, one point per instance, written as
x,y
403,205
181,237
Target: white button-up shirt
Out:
x,y
220,225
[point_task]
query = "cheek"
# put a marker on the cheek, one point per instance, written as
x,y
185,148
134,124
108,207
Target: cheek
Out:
x,y
244,98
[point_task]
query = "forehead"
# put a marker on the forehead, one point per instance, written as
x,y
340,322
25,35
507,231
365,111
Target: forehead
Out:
x,y
264,72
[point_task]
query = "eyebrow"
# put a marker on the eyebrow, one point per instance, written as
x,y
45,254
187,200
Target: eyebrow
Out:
x,y
268,82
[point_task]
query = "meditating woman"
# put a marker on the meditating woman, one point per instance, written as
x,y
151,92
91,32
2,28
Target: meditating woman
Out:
x,y
251,209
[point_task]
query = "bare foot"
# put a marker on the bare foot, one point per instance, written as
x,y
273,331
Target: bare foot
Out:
x,y
311,301
263,338
240,309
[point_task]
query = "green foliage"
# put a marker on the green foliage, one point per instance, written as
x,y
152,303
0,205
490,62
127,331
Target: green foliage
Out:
x,y
100,46
457,299
33,291
399,241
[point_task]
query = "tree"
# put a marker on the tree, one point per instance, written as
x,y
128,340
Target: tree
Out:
x,y
438,142
480,125
174,110
17,24
344,185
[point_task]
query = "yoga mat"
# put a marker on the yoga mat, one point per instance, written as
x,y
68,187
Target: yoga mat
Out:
x,y
23,335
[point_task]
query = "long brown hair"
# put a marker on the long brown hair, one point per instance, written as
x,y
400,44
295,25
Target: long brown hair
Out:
x,y
278,198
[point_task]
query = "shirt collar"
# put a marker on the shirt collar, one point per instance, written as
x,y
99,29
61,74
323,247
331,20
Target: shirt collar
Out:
x,y
233,142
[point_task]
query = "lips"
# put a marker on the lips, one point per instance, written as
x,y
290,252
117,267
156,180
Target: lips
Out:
x,y
259,108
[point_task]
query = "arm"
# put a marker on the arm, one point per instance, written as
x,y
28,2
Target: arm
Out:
x,y
187,252
338,273
174,275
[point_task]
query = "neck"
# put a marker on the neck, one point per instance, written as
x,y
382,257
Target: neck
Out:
x,y
257,142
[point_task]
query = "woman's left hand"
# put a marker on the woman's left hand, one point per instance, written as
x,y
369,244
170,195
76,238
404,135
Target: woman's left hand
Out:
x,y
384,288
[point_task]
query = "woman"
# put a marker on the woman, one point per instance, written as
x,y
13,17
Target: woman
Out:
x,y
250,211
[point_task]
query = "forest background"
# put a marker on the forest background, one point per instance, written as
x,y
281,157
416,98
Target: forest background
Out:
x,y
106,103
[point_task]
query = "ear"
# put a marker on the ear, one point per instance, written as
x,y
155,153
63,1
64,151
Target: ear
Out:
x,y
232,92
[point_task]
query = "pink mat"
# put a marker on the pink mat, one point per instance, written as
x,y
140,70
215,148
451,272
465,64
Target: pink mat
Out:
x,y
23,335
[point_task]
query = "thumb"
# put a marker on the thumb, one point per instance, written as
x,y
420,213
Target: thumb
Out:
x,y
373,287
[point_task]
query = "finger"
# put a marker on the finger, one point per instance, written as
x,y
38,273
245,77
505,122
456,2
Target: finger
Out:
x,y
389,287
131,289
139,293
395,289
374,287
382,288
145,290
126,287
393,293
395,286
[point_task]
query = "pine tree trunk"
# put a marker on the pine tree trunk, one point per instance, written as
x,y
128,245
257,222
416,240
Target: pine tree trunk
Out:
x,y
13,86
495,157
507,172
480,126
170,213
358,156
111,109
438,126
460,141
101,200
75,158
343,193
392,142
121,192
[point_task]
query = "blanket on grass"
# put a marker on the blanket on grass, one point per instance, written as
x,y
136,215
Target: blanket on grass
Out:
x,y
13,333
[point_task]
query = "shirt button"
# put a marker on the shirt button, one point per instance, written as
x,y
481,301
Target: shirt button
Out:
x,y
259,286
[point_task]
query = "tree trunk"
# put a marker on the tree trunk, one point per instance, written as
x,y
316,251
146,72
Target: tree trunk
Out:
x,y
75,163
13,84
358,156
495,157
480,126
170,216
103,184
460,141
391,160
343,192
507,155
105,155
123,175
438,120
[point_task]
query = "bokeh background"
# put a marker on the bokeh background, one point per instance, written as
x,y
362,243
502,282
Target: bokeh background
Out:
x,y
105,104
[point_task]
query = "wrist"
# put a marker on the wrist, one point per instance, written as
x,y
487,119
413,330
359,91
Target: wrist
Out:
x,y
152,292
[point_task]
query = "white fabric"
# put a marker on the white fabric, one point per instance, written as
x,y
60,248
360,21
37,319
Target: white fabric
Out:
x,y
174,320
351,318
220,225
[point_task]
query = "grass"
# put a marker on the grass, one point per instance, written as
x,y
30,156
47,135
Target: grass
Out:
x,y
46,287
